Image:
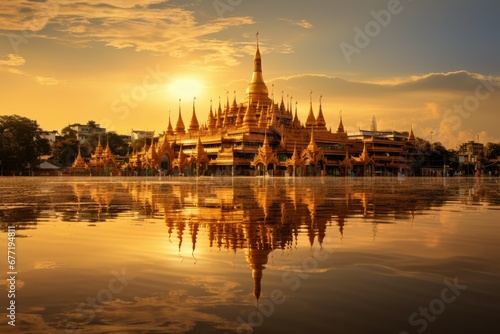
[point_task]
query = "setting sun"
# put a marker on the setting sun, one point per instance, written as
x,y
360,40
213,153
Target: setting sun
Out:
x,y
185,88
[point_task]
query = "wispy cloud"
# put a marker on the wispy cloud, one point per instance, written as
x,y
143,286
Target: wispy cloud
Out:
x,y
12,60
12,63
300,23
46,81
172,30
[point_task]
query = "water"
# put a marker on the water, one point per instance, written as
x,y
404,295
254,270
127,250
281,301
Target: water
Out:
x,y
243,255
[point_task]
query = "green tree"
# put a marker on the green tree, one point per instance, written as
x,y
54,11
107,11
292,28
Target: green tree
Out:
x,y
21,143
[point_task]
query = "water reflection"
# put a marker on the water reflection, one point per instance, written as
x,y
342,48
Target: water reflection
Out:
x,y
257,217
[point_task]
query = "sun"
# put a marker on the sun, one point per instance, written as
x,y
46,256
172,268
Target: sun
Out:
x,y
185,88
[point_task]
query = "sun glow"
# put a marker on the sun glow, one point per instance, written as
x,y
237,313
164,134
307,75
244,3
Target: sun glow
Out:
x,y
185,88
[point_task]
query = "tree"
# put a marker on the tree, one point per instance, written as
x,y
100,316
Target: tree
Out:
x,y
68,132
492,151
21,143
65,151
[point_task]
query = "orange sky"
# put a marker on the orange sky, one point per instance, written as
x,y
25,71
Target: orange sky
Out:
x,y
125,64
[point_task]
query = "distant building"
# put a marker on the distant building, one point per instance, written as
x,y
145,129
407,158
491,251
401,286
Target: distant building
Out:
x,y
140,134
50,135
470,152
83,132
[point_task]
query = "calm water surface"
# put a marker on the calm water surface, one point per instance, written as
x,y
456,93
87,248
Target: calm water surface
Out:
x,y
243,255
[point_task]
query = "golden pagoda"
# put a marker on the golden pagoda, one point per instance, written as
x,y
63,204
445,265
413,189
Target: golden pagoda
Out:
x,y
250,138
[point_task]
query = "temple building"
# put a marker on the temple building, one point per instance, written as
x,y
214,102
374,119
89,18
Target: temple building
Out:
x,y
260,136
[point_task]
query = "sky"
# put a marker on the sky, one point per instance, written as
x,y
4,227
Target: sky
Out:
x,y
427,64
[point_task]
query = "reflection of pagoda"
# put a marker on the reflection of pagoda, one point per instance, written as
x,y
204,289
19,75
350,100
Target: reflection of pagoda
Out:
x,y
259,216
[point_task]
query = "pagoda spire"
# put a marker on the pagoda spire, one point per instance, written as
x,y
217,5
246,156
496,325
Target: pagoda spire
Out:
x,y
257,87
296,121
170,130
218,123
211,118
311,121
179,127
340,129
250,119
194,125
411,136
320,120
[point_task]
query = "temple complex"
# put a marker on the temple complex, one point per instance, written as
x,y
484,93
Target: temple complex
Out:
x,y
260,136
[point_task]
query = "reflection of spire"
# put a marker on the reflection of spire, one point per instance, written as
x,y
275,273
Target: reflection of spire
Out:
x,y
257,258
194,233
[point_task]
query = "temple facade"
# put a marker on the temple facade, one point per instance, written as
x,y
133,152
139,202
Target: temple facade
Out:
x,y
260,136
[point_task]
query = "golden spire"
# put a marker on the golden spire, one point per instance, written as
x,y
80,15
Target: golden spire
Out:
x,y
211,118
282,104
250,119
194,125
296,121
179,127
218,123
411,136
239,118
226,121
257,87
311,121
340,129
320,120
170,130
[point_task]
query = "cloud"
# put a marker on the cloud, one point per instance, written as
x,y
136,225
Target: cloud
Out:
x,y
12,64
45,81
300,23
119,24
446,103
13,60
